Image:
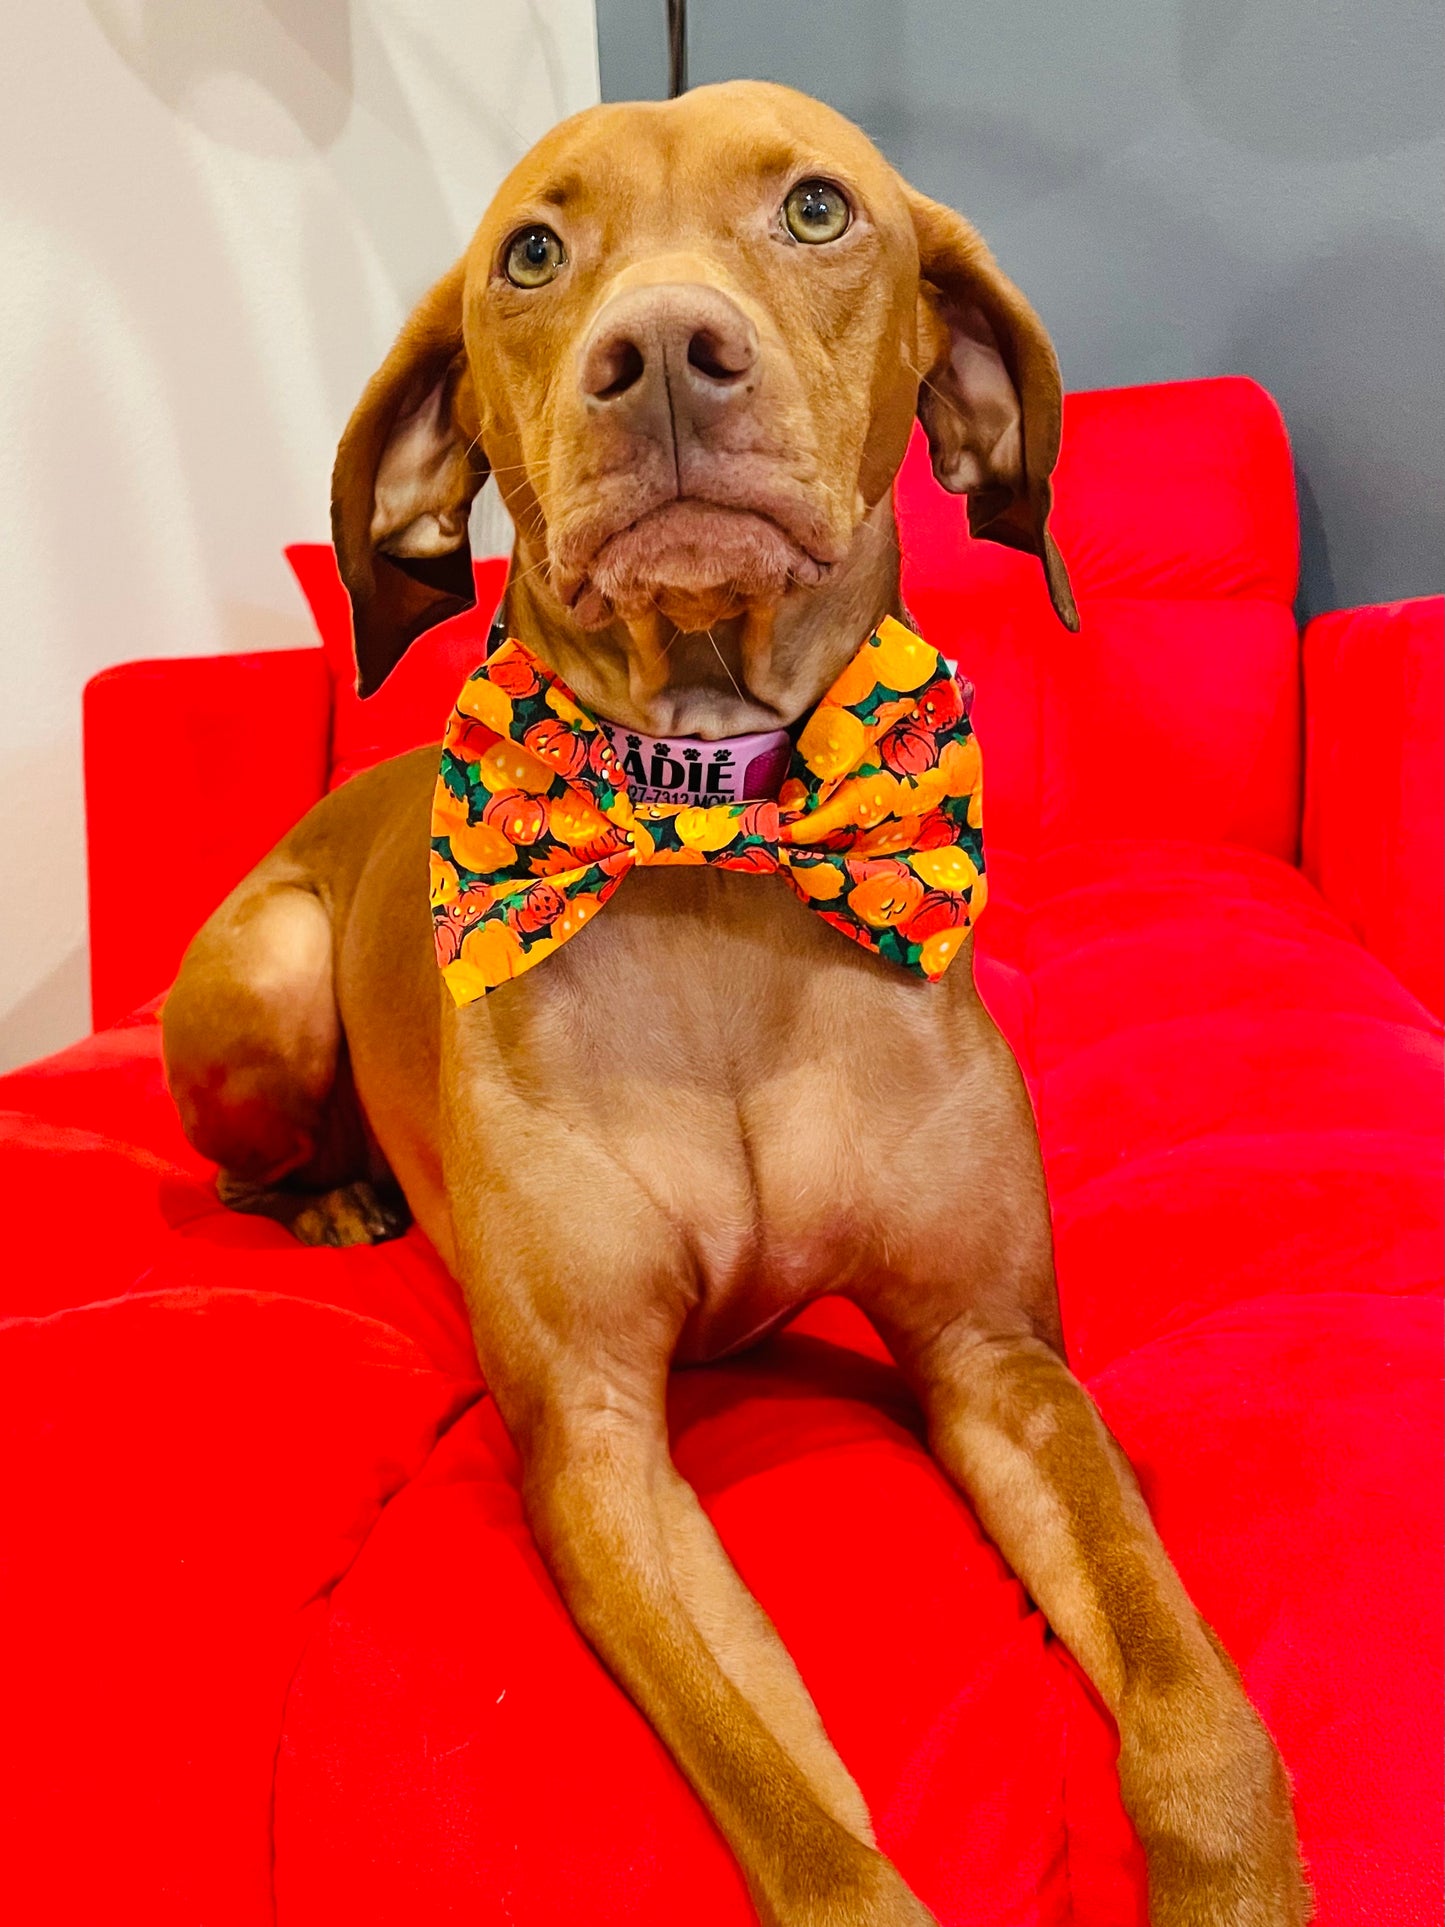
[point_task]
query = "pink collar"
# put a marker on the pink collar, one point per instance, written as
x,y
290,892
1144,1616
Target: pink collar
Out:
x,y
686,769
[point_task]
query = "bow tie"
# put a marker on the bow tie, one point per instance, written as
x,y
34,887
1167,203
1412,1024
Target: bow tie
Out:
x,y
877,826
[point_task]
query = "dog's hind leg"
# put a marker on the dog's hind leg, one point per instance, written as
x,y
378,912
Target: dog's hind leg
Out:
x,y
256,1061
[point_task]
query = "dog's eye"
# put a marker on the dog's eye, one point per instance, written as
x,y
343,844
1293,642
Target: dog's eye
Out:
x,y
816,211
534,258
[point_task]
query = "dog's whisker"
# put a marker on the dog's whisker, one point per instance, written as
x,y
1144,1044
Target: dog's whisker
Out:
x,y
525,575
540,467
724,661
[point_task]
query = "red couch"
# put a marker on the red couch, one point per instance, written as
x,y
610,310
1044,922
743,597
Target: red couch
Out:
x,y
277,1642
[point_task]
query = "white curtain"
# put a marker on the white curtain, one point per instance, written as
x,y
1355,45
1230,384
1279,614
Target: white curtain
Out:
x,y
214,215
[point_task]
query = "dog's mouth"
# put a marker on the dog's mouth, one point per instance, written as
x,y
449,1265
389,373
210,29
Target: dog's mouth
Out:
x,y
695,563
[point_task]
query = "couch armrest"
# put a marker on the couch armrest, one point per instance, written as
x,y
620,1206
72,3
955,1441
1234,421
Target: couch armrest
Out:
x,y
1374,819
193,768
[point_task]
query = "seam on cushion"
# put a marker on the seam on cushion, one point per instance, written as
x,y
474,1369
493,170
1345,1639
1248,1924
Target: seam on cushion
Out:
x,y
1221,1313
1071,1054
1426,1134
1327,923
1292,938
298,1298
1194,1019
1030,1040
1219,1134
1389,1138
1324,927
1041,763
323,1596
1426,1290
192,1298
1058,1192
1303,941
1255,859
1174,888
164,1163
1284,925
1065,1785
156,1163
1157,1162
1199,599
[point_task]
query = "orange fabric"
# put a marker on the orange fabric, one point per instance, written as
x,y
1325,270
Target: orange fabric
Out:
x,y
878,826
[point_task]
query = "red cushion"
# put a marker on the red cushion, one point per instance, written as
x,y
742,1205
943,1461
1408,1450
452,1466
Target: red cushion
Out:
x,y
196,766
187,1473
1240,1116
1374,819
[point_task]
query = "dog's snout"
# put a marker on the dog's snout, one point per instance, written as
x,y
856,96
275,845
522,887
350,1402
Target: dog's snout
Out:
x,y
691,347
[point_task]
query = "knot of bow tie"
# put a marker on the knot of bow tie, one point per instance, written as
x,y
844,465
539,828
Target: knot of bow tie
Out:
x,y
877,826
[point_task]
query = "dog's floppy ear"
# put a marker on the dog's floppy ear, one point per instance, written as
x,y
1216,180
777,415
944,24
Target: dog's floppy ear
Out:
x,y
990,399
406,471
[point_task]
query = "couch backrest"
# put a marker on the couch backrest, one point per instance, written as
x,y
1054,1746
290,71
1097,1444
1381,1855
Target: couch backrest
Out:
x,y
1174,712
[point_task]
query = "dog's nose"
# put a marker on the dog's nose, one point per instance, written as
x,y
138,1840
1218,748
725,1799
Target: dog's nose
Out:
x,y
689,348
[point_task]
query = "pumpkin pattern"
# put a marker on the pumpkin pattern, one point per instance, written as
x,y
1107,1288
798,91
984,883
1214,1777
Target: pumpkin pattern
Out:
x,y
877,828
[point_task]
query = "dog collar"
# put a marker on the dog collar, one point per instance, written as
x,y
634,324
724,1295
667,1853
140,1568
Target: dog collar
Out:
x,y
688,770
540,810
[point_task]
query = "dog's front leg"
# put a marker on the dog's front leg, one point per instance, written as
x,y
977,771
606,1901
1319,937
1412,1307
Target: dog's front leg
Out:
x,y
644,1576
637,1564
1200,1776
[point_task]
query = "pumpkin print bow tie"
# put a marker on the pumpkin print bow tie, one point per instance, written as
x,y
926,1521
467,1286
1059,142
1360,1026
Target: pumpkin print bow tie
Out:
x,y
877,827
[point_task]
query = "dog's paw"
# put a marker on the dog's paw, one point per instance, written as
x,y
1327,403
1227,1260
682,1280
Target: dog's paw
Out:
x,y
1216,1823
1185,1891
352,1214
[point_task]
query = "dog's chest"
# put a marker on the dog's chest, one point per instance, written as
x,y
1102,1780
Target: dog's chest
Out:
x,y
758,1100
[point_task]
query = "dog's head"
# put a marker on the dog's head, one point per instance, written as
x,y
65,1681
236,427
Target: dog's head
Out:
x,y
688,341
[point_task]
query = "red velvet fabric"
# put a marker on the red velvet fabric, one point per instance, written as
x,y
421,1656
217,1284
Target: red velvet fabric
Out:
x,y
1374,824
280,1646
193,769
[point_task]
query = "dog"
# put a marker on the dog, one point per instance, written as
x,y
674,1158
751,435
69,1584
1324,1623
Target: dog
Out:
x,y
688,342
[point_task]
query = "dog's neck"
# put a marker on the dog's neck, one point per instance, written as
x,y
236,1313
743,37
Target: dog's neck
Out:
x,y
752,672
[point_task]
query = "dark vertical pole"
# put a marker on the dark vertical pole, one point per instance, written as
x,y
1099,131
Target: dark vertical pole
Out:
x,y
676,48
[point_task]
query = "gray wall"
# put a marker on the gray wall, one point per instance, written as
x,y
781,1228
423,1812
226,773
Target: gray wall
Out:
x,y
1183,187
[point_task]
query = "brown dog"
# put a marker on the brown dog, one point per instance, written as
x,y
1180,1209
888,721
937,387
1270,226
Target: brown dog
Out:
x,y
693,386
